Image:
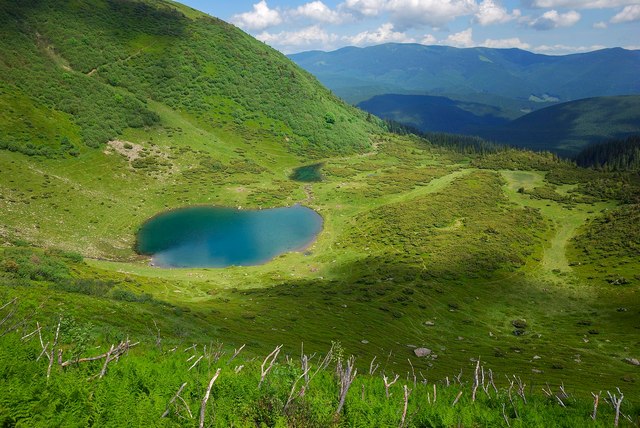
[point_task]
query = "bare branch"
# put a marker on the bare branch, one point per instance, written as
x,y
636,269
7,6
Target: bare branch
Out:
x,y
596,401
203,406
407,392
175,397
271,358
235,353
347,375
196,363
457,398
387,384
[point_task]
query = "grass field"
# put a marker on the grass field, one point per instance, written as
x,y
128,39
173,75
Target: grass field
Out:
x,y
412,234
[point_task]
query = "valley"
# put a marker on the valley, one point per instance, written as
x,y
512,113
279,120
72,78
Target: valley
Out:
x,y
475,252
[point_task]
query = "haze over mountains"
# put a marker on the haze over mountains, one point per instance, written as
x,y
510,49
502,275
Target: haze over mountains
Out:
x,y
478,90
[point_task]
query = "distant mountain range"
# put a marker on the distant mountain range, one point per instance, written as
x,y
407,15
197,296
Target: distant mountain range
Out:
x,y
485,75
483,91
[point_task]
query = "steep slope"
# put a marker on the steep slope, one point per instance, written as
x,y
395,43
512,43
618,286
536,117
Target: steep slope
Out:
x,y
569,127
96,64
359,73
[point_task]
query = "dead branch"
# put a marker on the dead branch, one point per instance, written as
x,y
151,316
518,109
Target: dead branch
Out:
x,y
55,342
596,401
435,393
457,398
158,340
459,377
236,352
347,375
203,406
175,397
504,414
196,363
413,371
120,349
10,302
521,388
616,402
37,330
407,392
387,384
271,358
476,380
372,368
293,395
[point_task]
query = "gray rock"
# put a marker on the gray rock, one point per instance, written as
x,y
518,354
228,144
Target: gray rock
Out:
x,y
364,341
632,361
429,323
422,352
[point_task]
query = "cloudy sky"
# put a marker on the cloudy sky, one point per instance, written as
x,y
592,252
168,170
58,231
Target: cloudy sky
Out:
x,y
545,26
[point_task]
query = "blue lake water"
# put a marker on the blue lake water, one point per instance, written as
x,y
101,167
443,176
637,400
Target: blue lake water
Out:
x,y
220,237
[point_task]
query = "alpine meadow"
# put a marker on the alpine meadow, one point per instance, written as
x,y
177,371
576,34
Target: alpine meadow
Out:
x,y
420,279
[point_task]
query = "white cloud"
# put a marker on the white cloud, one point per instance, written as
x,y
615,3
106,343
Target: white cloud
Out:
x,y
436,13
553,19
579,4
463,39
310,36
513,42
259,18
364,7
318,11
560,49
490,12
628,14
600,25
384,34
429,40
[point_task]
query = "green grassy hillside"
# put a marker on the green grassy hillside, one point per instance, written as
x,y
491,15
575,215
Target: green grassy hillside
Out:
x,y
97,65
568,128
468,255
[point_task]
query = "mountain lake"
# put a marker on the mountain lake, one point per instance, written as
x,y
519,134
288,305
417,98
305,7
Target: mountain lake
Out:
x,y
220,236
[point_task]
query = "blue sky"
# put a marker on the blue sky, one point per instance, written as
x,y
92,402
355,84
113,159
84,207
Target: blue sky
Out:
x,y
545,26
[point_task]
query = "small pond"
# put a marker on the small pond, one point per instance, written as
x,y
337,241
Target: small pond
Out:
x,y
308,173
220,236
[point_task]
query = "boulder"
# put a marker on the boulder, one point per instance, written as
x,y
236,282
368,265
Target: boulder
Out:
x,y
632,361
422,352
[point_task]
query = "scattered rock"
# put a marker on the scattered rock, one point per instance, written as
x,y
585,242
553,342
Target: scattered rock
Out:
x,y
411,346
460,338
537,371
622,309
429,323
519,332
519,324
422,352
632,361
594,331
364,341
536,357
